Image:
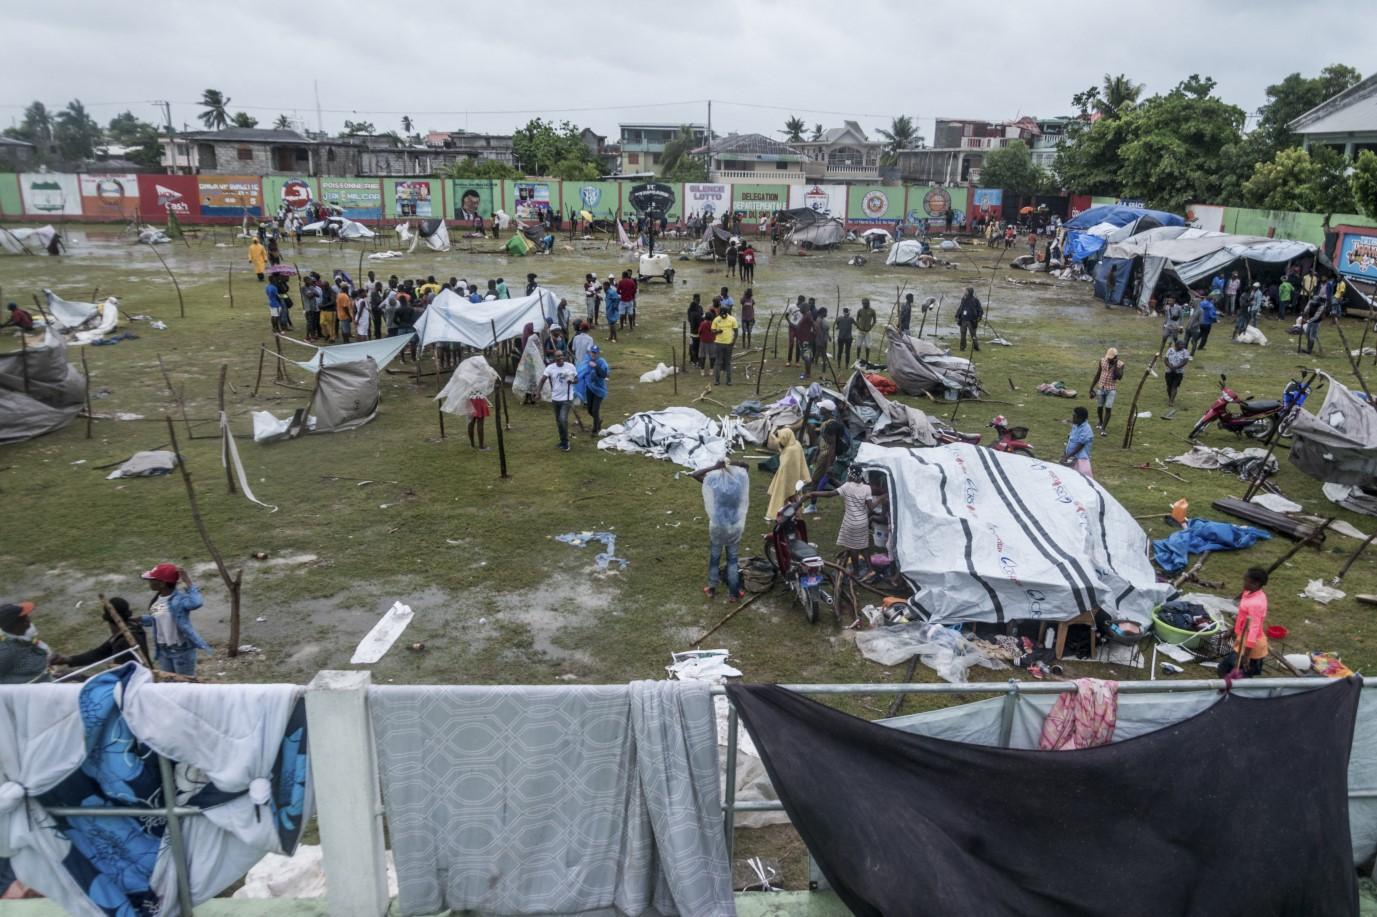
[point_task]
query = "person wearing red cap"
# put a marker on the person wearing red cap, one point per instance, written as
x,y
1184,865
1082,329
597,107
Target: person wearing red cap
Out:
x,y
23,657
169,615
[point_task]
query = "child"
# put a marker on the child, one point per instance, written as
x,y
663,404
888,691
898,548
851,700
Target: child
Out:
x,y
479,408
1250,628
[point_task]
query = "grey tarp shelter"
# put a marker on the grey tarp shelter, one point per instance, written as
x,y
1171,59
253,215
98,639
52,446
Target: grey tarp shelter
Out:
x,y
346,396
1338,445
921,367
39,391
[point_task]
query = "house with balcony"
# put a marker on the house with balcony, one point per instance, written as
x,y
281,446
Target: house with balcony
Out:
x,y
842,154
1051,133
257,151
455,145
754,158
959,148
643,145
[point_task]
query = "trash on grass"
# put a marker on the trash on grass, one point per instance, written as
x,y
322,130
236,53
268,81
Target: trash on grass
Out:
x,y
379,640
605,557
701,665
1317,590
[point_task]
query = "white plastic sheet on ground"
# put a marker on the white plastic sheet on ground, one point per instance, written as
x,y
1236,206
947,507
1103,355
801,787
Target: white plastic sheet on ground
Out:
x,y
990,536
660,373
941,649
301,875
453,319
1252,335
379,640
382,350
67,314
684,435
107,317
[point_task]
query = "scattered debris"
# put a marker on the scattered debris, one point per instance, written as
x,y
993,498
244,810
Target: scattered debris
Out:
x,y
1057,389
145,464
1317,590
379,640
605,557
660,373
701,665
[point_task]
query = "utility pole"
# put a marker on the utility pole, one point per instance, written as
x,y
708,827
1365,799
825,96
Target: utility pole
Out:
x,y
320,124
709,138
171,132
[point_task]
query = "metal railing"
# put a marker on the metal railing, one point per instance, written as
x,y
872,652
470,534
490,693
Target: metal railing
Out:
x,y
1011,691
764,176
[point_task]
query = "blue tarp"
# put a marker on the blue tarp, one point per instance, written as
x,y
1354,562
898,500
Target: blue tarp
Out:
x,y
1116,215
1201,536
1113,290
1082,245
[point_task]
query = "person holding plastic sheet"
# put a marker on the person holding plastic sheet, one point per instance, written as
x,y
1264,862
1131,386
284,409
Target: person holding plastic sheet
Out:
x,y
726,501
592,384
169,614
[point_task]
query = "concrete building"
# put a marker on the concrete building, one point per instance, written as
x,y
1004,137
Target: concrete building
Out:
x,y
754,158
1347,122
464,144
959,148
16,155
253,151
642,145
1051,133
842,154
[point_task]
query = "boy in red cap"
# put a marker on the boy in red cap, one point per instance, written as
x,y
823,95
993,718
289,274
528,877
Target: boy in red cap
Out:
x,y
169,615
23,658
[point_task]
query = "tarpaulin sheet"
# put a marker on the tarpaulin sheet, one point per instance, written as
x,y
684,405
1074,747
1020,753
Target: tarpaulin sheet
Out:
x,y
1201,536
919,366
1339,444
382,351
895,818
1194,254
991,536
69,315
685,436
453,319
346,396
1118,215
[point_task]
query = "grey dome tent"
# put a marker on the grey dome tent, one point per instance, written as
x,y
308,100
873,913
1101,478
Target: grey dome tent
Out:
x,y
39,391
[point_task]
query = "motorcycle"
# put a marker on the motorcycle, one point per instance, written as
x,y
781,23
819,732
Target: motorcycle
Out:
x,y
787,547
946,436
1010,439
1258,419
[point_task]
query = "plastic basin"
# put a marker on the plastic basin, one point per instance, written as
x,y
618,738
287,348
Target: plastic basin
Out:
x,y
1187,638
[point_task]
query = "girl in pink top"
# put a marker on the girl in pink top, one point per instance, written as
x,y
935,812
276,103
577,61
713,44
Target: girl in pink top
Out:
x,y
1250,627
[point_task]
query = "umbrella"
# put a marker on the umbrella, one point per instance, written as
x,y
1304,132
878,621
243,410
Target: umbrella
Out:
x,y
1025,210
283,269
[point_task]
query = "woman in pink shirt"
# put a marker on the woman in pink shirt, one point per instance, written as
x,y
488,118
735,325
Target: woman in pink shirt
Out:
x,y
1250,627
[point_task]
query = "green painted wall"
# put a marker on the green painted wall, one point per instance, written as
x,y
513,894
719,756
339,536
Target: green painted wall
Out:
x,y
874,203
11,205
489,196
600,198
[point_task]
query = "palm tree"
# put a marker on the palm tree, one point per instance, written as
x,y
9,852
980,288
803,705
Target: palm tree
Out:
x,y
902,135
244,119
216,106
1117,95
682,144
407,124
283,123
38,123
793,129
817,133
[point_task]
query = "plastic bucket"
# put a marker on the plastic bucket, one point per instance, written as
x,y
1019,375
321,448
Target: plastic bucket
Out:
x,y
1187,638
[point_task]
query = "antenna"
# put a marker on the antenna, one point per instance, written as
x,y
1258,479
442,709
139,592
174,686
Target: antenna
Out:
x,y
320,125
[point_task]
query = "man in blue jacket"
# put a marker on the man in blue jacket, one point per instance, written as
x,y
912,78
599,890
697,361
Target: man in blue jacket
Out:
x,y
169,615
1209,314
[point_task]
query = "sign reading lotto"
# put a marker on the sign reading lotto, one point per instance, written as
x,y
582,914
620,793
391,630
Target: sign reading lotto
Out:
x,y
827,199
759,200
361,198
874,205
50,194
163,194
230,197
706,200
1358,256
110,197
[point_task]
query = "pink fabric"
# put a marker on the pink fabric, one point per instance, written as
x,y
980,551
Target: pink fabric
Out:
x,y
1083,718
1252,613
1083,466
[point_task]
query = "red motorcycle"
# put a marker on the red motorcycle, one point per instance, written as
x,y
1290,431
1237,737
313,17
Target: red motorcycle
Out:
x,y
1254,418
787,547
946,436
1010,439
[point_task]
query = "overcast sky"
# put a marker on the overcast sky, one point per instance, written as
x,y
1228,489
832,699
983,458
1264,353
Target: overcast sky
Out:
x,y
491,66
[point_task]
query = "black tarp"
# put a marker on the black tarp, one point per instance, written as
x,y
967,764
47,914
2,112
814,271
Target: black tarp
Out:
x,y
1239,810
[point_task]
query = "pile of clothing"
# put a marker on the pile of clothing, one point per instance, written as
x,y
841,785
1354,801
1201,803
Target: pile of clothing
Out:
x,y
1056,389
1186,616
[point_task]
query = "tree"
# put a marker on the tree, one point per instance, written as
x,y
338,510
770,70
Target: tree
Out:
x,y
355,128
902,135
1285,183
76,132
1331,192
482,168
1117,95
679,147
1012,169
244,119
817,133
576,170
140,139
216,105
407,124
36,126
793,129
1363,183
1293,97
541,145
283,123
688,168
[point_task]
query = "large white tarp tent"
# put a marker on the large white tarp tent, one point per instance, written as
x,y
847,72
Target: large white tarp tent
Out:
x,y
341,227
26,240
381,350
454,320
1192,255
908,252
990,536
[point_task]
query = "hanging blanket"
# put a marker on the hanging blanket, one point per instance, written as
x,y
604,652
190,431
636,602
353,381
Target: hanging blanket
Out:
x,y
1082,719
1201,536
894,818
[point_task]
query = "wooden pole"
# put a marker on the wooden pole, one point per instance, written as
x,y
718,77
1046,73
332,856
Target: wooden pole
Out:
x,y
1313,538
764,346
229,281
684,353
674,368
1133,405
181,304
501,403
176,396
1353,361
262,351
86,374
1343,571
731,614
42,311
231,583
1260,473
224,444
124,631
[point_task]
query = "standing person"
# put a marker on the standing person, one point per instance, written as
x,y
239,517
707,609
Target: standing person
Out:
x,y
1172,315
1175,359
707,337
806,331
694,318
531,284
865,324
627,289
1078,443
328,315
590,299
24,658
968,316
116,642
831,434
376,299
502,291
747,263
906,313
344,313
169,614
1286,292
1308,284
793,467
613,303
582,343
258,258
310,298
845,324
1209,314
822,336
727,503
725,299
1310,321
747,316
1231,289
731,258
1105,383
592,384
561,377
1250,630
274,305
723,338
363,315
853,536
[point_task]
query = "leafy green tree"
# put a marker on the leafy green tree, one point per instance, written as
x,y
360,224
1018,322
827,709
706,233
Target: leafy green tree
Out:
x,y
76,133
1012,169
482,168
140,137
688,168
793,129
1293,97
541,145
283,123
244,119
356,128
681,145
901,135
576,170
1285,183
1363,183
1331,191
817,133
216,109
1117,95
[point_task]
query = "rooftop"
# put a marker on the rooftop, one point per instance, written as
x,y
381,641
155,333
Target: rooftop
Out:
x,y
750,144
11,141
247,135
1351,111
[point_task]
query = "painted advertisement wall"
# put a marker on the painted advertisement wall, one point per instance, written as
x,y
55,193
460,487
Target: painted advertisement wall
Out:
x,y
935,203
987,203
470,198
11,204
50,194
361,198
706,200
295,190
874,205
230,197
531,200
160,194
755,200
603,199
1358,255
109,197
413,197
828,199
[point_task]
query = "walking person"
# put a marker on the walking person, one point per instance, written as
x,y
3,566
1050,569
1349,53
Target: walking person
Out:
x,y
613,302
169,615
627,289
1310,322
1209,314
561,377
727,503
592,384
906,313
1172,321
274,305
747,257
706,338
822,337
845,323
791,317
1286,292
1105,384
1078,443
590,299
968,316
1175,358
258,258
806,332
694,318
1252,305
731,258
747,316
865,324
724,338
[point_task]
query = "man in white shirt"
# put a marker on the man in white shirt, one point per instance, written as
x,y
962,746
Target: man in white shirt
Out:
x,y
581,344
560,376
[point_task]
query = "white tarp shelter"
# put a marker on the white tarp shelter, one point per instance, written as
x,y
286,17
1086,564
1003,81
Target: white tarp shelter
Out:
x,y
908,252
990,536
344,228
453,319
26,240
382,350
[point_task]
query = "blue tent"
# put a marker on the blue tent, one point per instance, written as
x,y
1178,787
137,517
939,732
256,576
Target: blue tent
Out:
x,y
1081,246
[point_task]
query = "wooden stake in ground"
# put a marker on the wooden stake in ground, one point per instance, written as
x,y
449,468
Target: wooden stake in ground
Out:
x,y
731,614
231,582
1133,405
229,281
225,433
1343,571
86,374
1260,472
765,346
1313,538
674,368
501,402
181,304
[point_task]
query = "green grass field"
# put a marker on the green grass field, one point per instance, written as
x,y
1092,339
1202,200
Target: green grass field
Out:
x,y
497,599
